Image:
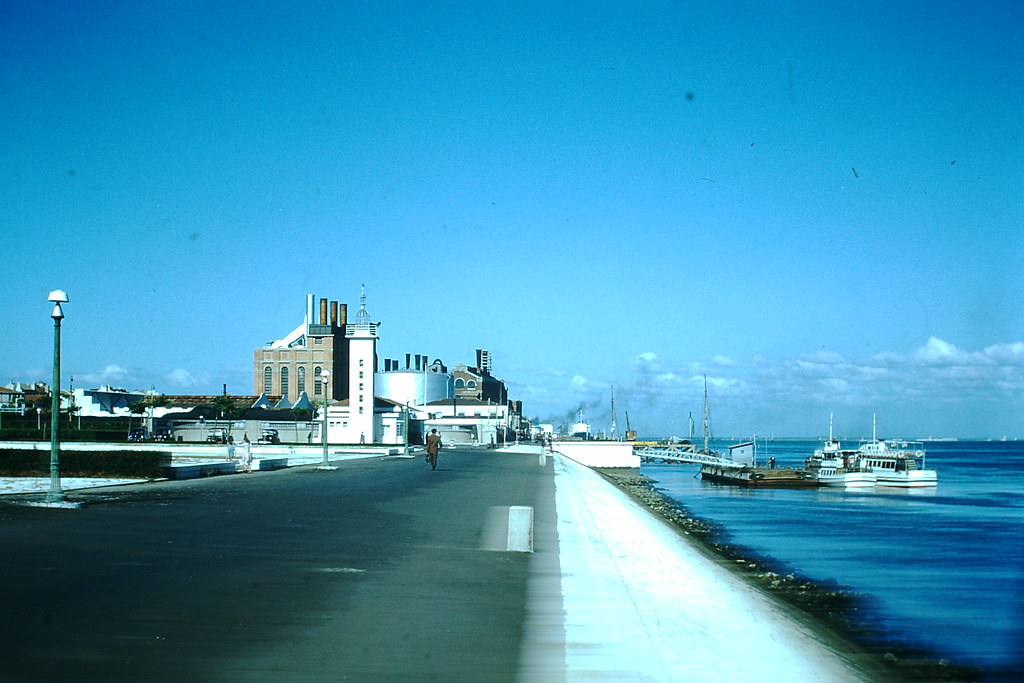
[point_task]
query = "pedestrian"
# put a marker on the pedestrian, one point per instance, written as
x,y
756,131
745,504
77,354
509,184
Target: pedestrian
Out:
x,y
246,453
771,462
231,448
433,444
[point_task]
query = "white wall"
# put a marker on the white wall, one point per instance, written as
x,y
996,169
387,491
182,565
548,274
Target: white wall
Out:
x,y
599,453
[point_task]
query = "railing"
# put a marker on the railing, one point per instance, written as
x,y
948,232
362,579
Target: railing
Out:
x,y
671,454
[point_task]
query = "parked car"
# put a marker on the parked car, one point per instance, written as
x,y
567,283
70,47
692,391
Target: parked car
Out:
x,y
137,435
269,436
162,434
217,435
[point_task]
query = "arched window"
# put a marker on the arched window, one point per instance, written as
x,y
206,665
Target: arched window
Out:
x,y
471,384
268,380
318,388
302,380
459,383
284,382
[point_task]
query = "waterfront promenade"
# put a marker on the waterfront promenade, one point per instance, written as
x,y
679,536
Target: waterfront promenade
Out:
x,y
384,570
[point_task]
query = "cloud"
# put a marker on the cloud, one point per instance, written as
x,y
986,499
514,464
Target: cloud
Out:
x,y
181,378
935,388
578,382
938,352
111,374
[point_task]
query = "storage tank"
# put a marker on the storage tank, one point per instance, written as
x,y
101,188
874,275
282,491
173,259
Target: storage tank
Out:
x,y
413,387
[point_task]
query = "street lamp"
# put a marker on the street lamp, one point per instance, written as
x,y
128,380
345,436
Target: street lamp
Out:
x,y
55,494
325,379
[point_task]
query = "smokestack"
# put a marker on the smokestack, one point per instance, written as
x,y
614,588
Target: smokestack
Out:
x,y
343,314
323,311
407,356
334,313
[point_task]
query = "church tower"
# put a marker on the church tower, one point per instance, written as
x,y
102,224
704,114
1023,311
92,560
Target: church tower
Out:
x,y
362,354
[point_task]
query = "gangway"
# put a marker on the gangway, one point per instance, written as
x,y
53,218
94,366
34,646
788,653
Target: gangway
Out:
x,y
682,453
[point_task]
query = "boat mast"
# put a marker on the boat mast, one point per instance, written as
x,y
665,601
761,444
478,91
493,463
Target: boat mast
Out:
x,y
707,417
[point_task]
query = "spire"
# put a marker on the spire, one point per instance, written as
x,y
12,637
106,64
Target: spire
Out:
x,y
363,323
362,315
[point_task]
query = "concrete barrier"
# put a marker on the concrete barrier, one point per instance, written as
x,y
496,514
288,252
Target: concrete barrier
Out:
x,y
195,471
599,453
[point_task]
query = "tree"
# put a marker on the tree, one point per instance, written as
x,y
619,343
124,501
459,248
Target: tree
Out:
x,y
138,408
226,406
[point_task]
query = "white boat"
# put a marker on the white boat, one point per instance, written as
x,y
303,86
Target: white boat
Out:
x,y
831,465
897,462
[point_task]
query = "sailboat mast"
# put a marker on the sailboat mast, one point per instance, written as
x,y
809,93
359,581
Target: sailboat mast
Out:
x,y
707,417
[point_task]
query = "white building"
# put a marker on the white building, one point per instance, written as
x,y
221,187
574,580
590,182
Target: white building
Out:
x,y
356,420
466,421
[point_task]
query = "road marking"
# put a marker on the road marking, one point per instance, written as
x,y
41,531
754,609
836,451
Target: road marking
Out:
x,y
508,529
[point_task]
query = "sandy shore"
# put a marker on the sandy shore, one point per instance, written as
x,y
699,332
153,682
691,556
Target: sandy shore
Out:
x,y
835,614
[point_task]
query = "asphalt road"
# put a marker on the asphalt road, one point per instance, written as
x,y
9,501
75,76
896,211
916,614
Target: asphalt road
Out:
x,y
372,572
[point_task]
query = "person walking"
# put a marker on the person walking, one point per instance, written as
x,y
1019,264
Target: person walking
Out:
x,y
246,453
433,444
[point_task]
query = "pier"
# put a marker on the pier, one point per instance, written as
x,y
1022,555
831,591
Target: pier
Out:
x,y
682,453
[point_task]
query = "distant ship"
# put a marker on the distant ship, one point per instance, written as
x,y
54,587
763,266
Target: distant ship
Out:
x,y
580,430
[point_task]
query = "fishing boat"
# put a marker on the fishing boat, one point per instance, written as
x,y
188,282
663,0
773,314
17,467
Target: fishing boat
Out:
x,y
832,465
896,462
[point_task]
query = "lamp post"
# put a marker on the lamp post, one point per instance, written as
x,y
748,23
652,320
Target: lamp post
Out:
x,y
326,376
55,495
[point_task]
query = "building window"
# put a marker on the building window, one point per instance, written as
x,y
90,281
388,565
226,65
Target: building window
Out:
x,y
459,383
360,362
318,340
268,380
360,374
318,388
360,410
302,380
360,386
284,382
471,384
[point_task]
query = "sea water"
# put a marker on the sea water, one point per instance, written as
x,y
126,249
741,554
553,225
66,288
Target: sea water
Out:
x,y
940,568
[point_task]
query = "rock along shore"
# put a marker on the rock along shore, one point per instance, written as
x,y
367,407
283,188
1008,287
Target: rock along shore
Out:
x,y
829,607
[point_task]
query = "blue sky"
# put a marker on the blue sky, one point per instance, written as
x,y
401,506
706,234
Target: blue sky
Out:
x,y
817,205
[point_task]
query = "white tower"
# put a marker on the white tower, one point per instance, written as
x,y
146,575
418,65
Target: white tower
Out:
x,y
362,350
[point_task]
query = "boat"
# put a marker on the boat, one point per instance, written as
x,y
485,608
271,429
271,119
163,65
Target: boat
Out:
x,y
897,462
758,477
740,467
832,465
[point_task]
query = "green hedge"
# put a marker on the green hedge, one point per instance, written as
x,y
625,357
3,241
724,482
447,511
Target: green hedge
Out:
x,y
117,464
